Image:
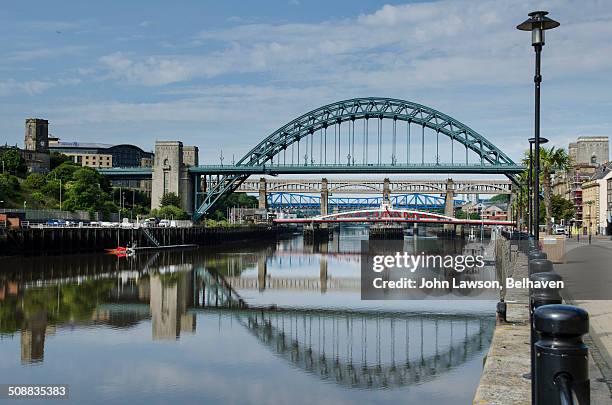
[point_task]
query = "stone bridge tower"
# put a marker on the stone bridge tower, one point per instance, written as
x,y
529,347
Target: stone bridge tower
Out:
x,y
170,173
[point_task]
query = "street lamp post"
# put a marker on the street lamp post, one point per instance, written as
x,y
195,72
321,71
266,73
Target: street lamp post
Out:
x,y
590,203
529,207
530,188
537,23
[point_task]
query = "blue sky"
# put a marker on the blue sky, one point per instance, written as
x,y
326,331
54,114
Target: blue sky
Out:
x,y
224,74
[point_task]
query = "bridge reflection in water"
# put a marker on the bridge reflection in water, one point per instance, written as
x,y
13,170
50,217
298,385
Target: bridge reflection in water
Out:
x,y
353,347
357,349
370,351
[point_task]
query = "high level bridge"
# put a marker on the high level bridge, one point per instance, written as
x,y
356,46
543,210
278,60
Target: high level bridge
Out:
x,y
358,136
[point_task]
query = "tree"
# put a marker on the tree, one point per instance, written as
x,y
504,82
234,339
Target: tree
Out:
x,y
13,162
9,187
233,200
460,214
57,159
64,171
84,191
500,198
35,181
170,212
170,199
551,159
519,203
562,208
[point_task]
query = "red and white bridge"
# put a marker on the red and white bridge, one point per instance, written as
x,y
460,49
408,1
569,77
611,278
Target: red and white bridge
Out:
x,y
389,215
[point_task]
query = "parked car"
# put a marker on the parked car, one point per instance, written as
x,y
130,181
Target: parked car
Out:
x,y
56,222
559,230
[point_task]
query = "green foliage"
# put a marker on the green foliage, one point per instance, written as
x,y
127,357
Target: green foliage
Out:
x,y
211,223
170,199
13,162
84,191
64,171
500,198
38,197
460,214
551,160
52,188
35,182
56,159
562,208
233,200
135,202
170,212
69,303
9,187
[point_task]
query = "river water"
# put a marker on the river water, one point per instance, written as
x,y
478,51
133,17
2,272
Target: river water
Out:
x,y
252,323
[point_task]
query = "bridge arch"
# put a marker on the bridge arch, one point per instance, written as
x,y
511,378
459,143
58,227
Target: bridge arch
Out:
x,y
364,185
291,187
475,188
423,188
372,109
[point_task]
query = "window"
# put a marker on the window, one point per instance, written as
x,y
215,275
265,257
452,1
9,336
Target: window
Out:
x,y
593,159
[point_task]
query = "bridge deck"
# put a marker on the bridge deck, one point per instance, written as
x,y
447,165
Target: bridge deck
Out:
x,y
368,168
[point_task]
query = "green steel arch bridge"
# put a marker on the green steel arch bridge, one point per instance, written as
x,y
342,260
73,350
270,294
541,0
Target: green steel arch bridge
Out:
x,y
372,135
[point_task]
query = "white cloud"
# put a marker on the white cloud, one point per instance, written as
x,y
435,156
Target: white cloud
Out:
x,y
26,55
437,43
464,58
30,87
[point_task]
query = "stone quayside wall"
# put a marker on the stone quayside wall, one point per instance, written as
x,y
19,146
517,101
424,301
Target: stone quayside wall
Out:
x,y
36,241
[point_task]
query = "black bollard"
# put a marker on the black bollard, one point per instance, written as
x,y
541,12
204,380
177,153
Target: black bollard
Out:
x,y
536,254
502,309
562,364
539,296
540,266
545,295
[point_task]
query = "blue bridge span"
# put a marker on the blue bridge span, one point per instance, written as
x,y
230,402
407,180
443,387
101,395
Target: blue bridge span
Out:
x,y
312,202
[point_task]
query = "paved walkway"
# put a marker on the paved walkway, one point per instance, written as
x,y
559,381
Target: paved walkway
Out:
x,y
598,261
508,359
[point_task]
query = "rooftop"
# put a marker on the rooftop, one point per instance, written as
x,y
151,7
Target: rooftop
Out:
x,y
79,145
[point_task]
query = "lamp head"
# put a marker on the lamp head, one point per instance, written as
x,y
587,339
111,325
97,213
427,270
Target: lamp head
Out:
x,y
537,23
542,140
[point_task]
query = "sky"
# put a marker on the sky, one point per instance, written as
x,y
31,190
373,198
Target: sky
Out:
x,y
222,75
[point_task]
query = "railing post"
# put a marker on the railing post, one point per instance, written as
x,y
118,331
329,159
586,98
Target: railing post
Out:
x,y
538,270
562,365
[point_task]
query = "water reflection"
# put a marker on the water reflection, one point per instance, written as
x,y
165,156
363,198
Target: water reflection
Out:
x,y
371,351
300,302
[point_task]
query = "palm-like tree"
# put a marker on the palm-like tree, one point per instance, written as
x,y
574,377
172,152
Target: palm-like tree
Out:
x,y
519,203
551,160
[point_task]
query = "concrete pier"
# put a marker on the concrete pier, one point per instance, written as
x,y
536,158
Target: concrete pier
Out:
x,y
386,232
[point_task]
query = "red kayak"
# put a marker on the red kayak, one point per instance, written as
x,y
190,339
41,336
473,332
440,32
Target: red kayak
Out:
x,y
120,250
